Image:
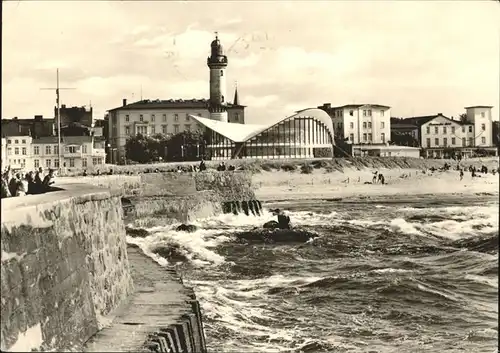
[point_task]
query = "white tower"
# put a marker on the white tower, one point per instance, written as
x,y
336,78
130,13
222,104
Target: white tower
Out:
x,y
481,117
217,62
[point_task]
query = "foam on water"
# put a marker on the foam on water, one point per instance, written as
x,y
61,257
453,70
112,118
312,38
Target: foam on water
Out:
x,y
279,311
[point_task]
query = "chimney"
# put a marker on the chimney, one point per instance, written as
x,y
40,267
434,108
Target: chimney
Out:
x,y
124,101
63,106
440,114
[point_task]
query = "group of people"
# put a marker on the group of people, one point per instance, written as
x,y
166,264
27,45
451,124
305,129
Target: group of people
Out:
x,y
19,184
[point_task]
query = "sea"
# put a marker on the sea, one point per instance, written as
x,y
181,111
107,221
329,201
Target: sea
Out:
x,y
394,275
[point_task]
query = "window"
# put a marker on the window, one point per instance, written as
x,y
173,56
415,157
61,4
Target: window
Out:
x,y
369,137
436,129
445,142
463,141
471,141
436,141
72,149
351,112
453,141
482,114
164,117
127,118
84,162
463,128
428,142
153,130
56,149
222,99
23,163
444,129
48,163
95,161
164,129
187,127
222,73
47,149
382,125
453,129
176,129
142,130
187,117
369,125
364,124
369,112
364,137
23,141
24,151
483,127
16,150
127,130
428,130
71,162
381,113
364,112
84,148
153,117
36,150
36,163
382,137
16,142
351,125
483,140
176,117
56,163
470,128
351,137
9,150
141,117
9,142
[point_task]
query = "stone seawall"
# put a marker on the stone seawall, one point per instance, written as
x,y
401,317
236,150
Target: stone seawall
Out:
x,y
64,267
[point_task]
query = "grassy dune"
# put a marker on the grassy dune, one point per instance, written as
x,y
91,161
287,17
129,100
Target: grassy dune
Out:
x,y
303,165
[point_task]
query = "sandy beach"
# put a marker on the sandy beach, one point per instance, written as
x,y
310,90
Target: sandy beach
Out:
x,y
281,185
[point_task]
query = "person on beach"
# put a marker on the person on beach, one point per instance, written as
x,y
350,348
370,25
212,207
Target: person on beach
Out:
x,y
22,186
374,179
461,174
31,182
13,184
203,166
221,167
381,179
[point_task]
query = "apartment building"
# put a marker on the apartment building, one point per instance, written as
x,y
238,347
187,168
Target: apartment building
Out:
x,y
79,152
18,152
438,134
150,117
360,125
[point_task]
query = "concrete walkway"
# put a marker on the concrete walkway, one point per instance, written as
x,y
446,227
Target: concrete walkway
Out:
x,y
160,302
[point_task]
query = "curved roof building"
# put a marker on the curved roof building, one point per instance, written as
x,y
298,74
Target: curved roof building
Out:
x,y
306,134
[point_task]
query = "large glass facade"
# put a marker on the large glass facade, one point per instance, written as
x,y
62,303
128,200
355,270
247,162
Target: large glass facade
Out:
x,y
295,137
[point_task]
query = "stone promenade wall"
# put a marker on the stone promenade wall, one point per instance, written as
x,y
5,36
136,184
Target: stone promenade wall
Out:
x,y
64,267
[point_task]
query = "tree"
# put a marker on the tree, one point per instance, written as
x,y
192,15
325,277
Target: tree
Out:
x,y
185,146
463,118
142,149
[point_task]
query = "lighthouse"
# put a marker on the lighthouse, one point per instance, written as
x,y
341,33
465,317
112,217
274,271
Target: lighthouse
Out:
x,y
217,63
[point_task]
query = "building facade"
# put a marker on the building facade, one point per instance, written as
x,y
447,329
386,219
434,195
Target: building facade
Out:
x,y
306,134
440,136
79,152
150,117
4,153
18,152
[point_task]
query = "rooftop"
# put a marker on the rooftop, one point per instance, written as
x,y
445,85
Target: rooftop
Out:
x,y
171,103
328,106
420,120
479,106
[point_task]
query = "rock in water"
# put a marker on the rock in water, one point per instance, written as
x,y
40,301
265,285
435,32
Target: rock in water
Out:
x,y
271,225
283,221
187,228
276,236
136,232
172,253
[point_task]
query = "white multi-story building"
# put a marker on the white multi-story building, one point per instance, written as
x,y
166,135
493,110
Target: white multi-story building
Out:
x,y
79,152
4,153
18,154
438,134
361,123
150,117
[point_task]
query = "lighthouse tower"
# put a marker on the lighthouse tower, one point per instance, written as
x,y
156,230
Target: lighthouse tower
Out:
x,y
217,62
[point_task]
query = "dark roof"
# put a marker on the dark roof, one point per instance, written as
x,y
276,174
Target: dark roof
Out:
x,y
403,126
354,106
171,103
421,120
479,106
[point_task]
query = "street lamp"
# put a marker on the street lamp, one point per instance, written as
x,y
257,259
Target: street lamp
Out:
x,y
182,152
111,153
198,150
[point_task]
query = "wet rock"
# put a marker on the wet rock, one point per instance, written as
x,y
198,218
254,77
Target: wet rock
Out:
x,y
187,228
275,236
136,232
172,253
271,225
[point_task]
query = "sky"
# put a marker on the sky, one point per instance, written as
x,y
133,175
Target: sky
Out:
x,y
419,57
